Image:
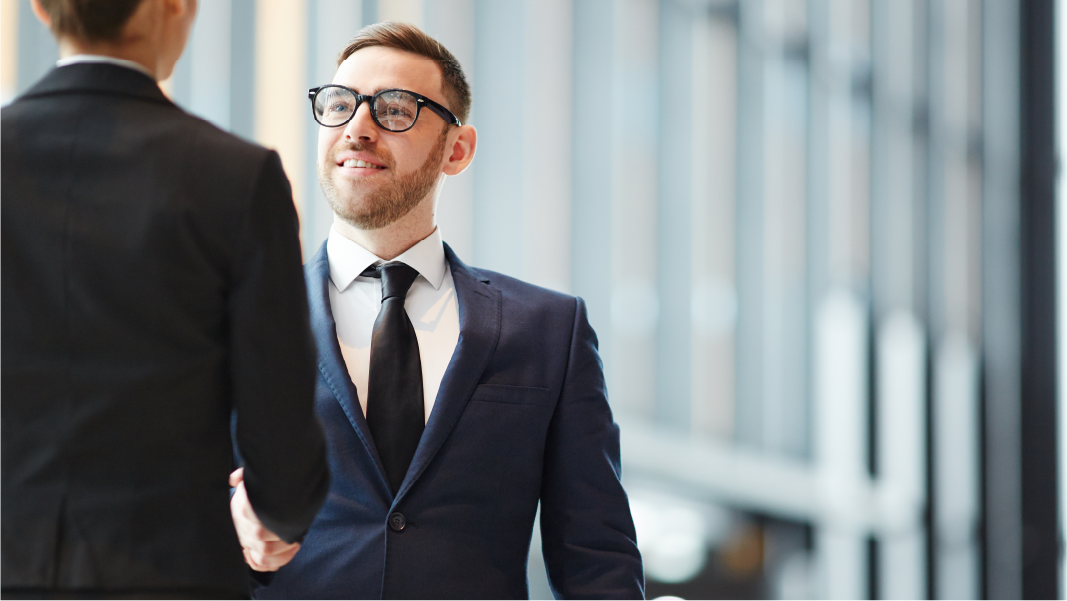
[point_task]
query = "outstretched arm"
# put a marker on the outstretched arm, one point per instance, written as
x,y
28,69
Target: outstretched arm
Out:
x,y
272,363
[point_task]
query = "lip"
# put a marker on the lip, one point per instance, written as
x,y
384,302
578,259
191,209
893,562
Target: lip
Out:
x,y
340,159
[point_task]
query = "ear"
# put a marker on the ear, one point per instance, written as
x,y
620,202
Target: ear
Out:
x,y
464,140
178,8
40,13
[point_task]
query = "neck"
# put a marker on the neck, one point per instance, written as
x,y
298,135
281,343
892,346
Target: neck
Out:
x,y
394,239
136,51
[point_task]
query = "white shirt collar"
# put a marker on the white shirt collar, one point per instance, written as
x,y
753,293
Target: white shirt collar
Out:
x,y
100,58
348,259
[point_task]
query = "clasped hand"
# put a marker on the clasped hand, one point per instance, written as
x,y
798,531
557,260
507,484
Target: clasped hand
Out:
x,y
263,550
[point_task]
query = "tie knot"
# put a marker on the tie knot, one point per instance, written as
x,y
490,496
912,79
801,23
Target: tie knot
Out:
x,y
396,278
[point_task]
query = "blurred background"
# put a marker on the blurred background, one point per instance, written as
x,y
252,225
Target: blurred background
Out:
x,y
817,239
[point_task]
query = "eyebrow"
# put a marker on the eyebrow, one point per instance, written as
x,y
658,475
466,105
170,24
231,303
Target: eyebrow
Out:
x,y
379,89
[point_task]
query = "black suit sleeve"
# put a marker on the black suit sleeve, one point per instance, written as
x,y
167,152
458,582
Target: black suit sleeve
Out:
x,y
273,363
587,533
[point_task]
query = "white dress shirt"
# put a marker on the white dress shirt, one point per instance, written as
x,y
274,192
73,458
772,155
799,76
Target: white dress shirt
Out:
x,y
431,305
100,58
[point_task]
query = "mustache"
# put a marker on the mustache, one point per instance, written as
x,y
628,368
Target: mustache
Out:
x,y
385,159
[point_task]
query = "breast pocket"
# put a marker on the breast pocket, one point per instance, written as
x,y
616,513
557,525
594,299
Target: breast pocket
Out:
x,y
514,395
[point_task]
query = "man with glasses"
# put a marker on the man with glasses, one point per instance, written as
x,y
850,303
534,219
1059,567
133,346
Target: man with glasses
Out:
x,y
454,399
151,285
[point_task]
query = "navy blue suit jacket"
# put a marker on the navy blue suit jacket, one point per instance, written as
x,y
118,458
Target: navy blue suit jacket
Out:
x,y
521,416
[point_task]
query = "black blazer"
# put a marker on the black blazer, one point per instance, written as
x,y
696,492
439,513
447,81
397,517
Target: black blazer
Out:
x,y
151,284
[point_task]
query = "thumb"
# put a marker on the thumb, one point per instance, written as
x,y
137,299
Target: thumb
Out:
x,y
237,476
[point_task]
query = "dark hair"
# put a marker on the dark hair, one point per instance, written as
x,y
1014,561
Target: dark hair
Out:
x,y
91,20
407,37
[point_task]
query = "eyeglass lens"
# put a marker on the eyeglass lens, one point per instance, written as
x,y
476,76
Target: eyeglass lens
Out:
x,y
394,110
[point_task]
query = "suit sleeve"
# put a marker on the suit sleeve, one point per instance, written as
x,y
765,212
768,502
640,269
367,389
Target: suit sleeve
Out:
x,y
588,536
273,363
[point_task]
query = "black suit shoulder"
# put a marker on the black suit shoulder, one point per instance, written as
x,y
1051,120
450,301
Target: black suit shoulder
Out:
x,y
102,108
218,152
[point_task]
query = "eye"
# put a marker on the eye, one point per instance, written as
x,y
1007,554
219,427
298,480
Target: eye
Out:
x,y
397,110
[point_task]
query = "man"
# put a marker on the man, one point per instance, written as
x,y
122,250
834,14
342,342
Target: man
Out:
x,y
151,285
464,397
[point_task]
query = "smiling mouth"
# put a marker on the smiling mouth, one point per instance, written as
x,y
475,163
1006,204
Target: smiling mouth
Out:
x,y
360,163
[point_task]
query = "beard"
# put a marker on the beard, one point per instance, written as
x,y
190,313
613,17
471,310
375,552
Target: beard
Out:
x,y
389,201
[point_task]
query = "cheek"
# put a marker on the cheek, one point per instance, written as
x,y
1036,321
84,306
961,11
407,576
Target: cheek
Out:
x,y
408,155
327,138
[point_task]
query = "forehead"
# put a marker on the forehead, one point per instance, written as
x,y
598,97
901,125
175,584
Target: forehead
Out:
x,y
377,68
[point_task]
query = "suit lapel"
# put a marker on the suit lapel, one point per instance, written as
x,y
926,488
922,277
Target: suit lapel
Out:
x,y
479,332
331,362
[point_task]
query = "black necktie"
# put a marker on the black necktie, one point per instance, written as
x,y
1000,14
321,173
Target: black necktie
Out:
x,y
395,411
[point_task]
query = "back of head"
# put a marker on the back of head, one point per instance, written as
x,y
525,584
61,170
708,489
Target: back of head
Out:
x,y
89,20
407,37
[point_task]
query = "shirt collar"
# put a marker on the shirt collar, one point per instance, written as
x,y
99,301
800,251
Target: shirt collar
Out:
x,y
100,58
348,259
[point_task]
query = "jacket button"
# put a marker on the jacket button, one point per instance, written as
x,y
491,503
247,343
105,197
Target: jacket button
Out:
x,y
397,522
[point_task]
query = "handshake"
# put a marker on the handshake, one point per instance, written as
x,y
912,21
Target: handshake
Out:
x,y
264,551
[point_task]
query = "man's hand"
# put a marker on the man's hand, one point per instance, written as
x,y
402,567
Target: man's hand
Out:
x,y
264,551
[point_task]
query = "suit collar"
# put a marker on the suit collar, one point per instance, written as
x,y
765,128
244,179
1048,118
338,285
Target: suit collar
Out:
x,y
99,78
348,259
101,58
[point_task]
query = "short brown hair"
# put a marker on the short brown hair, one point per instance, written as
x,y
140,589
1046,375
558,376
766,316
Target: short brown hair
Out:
x,y
90,20
407,37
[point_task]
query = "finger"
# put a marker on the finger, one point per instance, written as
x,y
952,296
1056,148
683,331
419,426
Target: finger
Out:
x,y
263,549
248,514
270,563
260,534
240,498
253,536
249,529
272,548
237,476
284,558
262,567
259,562
251,561
241,507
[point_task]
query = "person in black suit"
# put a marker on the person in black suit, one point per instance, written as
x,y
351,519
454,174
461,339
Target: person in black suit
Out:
x,y
152,285
454,399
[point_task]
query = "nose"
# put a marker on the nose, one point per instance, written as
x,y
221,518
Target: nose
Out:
x,y
362,126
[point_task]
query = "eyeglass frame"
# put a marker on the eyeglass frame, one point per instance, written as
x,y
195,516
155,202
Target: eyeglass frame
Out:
x,y
420,101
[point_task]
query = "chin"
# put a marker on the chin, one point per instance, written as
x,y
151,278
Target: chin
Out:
x,y
356,186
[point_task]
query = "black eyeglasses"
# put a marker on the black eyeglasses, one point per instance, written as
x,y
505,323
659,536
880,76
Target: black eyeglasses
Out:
x,y
392,110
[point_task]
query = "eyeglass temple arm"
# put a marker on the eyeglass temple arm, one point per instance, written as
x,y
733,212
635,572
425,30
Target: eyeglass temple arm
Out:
x,y
441,111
